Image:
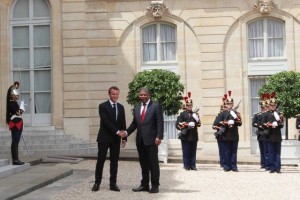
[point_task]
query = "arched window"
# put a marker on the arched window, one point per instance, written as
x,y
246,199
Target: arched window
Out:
x,y
31,53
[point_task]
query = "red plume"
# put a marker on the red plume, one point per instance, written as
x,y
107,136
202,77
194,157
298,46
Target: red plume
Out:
x,y
225,96
185,98
229,93
189,94
273,95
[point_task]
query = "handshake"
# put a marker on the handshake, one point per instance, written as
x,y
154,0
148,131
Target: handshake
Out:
x,y
122,133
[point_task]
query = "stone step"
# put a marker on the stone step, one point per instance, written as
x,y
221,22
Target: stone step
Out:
x,y
8,170
44,152
3,162
48,146
43,141
31,128
7,142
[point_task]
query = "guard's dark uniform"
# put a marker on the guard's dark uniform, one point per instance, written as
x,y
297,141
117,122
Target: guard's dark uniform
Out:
x,y
230,120
298,125
188,136
274,121
15,123
261,138
218,135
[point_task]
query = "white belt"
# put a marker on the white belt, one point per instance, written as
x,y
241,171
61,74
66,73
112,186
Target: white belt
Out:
x,y
15,116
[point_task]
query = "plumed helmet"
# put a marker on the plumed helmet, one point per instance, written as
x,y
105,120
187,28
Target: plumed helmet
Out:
x,y
15,92
273,99
188,100
229,99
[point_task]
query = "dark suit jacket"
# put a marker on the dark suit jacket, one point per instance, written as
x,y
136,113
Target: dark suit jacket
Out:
x,y
109,126
151,128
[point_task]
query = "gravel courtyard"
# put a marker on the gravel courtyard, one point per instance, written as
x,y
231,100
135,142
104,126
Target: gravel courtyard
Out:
x,y
209,182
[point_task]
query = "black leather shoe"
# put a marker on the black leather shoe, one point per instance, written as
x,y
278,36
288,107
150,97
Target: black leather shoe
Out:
x,y
186,168
226,170
235,170
271,171
140,189
115,188
154,190
17,162
278,171
95,187
194,168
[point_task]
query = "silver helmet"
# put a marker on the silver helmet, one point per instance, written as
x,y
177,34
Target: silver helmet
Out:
x,y
15,92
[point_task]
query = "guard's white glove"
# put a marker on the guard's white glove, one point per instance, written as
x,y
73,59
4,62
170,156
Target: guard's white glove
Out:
x,y
192,124
232,113
22,105
274,124
230,122
195,117
276,116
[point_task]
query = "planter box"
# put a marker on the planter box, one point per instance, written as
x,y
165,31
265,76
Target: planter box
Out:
x,y
290,152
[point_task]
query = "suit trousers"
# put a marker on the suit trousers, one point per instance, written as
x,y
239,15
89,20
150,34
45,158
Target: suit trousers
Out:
x,y
148,157
114,150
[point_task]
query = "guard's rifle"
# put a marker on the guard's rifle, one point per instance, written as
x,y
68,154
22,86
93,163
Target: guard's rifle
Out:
x,y
184,126
238,105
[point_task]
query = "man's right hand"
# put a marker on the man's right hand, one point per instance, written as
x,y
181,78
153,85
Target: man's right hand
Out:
x,y
122,134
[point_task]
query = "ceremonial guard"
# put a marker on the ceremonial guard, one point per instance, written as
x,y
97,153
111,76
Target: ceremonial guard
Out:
x,y
274,121
298,125
219,132
230,120
188,122
14,120
257,122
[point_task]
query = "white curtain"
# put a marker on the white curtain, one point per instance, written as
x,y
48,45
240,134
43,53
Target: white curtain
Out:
x,y
166,39
270,33
40,8
275,38
21,9
149,43
256,39
255,85
168,45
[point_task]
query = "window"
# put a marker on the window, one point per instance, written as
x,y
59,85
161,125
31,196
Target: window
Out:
x,y
31,53
266,39
159,43
255,84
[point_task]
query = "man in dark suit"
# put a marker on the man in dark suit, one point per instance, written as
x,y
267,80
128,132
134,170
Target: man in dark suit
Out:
x,y
149,122
112,121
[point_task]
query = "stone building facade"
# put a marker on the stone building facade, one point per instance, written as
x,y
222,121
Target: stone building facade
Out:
x,y
67,53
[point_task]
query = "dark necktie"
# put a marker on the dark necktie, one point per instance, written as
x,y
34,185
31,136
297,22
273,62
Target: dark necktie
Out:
x,y
143,112
115,110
